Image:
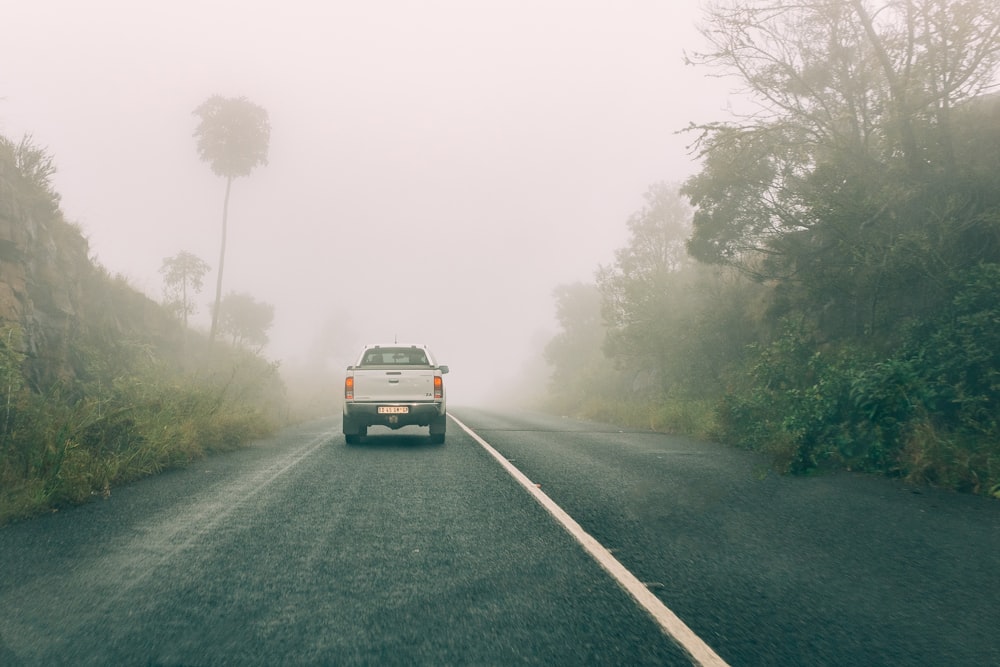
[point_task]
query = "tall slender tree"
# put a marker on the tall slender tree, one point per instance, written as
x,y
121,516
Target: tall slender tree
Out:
x,y
233,136
182,279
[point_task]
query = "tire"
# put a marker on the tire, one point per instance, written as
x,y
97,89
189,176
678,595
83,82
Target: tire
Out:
x,y
438,428
352,432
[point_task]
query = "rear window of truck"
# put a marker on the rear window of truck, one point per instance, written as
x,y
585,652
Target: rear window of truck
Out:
x,y
394,356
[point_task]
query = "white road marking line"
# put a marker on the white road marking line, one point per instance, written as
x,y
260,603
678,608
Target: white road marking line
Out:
x,y
699,651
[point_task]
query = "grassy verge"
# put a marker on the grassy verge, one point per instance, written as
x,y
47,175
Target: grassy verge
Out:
x,y
695,418
77,443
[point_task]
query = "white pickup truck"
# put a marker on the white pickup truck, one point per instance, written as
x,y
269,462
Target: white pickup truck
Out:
x,y
395,386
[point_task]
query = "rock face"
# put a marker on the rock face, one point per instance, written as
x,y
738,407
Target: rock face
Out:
x,y
66,306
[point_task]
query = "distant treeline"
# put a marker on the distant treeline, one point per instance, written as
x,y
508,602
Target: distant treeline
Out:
x,y
827,288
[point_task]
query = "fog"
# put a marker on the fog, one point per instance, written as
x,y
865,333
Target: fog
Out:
x,y
436,167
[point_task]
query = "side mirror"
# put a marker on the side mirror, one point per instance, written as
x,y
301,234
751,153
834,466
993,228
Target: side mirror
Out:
x,y
443,368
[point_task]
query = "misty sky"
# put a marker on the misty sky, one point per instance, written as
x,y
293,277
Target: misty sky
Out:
x,y
436,167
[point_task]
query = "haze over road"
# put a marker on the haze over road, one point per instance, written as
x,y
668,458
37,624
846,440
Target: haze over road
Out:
x,y
301,550
488,152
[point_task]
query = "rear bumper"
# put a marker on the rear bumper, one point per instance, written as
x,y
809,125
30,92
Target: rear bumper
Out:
x,y
418,414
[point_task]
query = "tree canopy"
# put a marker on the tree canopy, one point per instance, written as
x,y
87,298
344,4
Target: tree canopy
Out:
x,y
246,320
640,299
847,183
183,276
233,135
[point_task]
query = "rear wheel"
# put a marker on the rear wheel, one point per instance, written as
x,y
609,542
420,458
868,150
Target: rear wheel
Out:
x,y
352,432
439,424
438,427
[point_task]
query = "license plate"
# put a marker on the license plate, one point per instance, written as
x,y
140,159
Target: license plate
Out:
x,y
393,410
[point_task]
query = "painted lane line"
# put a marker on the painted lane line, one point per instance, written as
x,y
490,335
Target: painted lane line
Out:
x,y
699,651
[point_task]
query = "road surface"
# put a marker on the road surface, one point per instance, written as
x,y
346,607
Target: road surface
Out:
x,y
301,550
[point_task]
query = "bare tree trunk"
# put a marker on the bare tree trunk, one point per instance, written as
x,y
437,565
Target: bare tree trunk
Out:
x,y
222,262
184,301
898,86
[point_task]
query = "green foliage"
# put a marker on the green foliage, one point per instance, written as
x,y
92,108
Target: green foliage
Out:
x,y
183,276
857,185
651,291
930,410
59,451
232,135
952,460
579,366
11,378
663,414
734,213
27,169
245,319
648,346
960,353
793,400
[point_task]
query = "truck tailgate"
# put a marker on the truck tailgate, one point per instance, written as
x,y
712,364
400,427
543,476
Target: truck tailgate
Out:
x,y
394,386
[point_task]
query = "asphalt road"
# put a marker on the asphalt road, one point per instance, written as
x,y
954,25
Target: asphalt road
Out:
x,y
301,550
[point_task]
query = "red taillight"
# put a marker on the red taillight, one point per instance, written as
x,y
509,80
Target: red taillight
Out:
x,y
349,388
438,387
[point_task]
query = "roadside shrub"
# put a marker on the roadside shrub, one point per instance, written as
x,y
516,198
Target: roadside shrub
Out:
x,y
928,411
663,414
74,444
954,438
798,401
684,416
951,460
